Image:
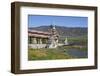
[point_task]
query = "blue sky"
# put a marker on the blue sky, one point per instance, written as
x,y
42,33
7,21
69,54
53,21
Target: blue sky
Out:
x,y
68,21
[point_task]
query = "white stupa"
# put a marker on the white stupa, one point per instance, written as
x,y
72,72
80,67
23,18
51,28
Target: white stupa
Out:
x,y
66,41
53,40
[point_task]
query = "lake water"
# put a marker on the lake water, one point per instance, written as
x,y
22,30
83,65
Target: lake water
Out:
x,y
77,53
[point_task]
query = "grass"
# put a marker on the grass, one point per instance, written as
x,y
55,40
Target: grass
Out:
x,y
50,54
46,54
82,48
78,40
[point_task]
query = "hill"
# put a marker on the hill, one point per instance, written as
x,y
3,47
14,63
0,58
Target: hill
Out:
x,y
64,31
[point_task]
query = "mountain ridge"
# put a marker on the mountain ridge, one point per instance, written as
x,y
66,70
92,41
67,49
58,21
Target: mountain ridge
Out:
x,y
64,31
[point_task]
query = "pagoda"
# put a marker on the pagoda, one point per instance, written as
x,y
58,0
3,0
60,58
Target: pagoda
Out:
x,y
53,39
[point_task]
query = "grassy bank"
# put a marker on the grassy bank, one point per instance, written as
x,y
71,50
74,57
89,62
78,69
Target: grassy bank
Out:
x,y
45,54
50,54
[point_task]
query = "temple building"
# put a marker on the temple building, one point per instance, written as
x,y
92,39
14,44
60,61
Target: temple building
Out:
x,y
40,39
37,39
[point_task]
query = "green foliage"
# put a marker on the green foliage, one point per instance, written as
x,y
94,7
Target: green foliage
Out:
x,y
46,54
78,40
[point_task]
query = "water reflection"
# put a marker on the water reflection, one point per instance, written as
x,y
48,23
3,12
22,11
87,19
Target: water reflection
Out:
x,y
77,53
